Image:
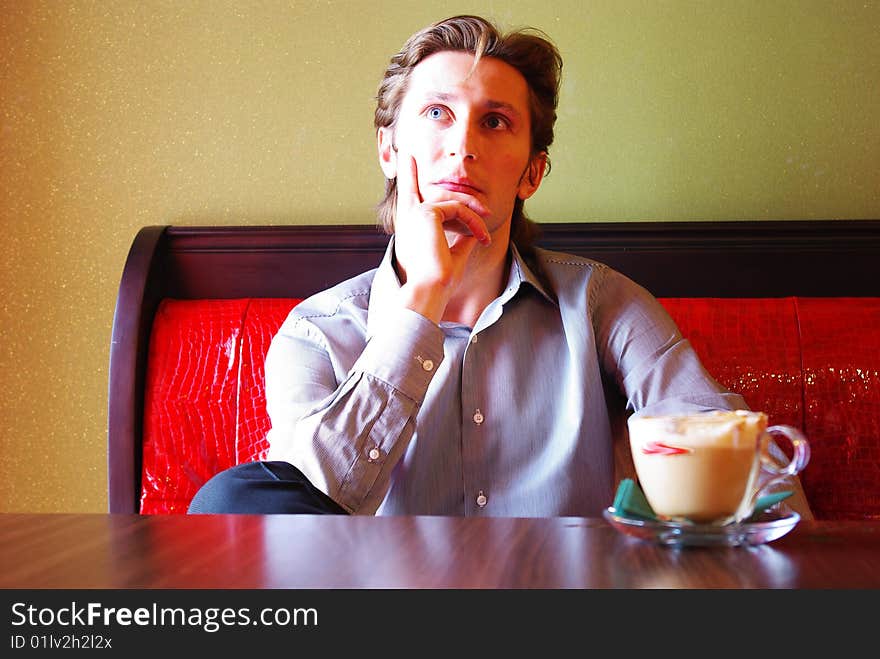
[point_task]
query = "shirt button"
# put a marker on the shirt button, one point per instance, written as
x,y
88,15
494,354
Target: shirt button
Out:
x,y
374,454
481,499
478,417
474,339
428,365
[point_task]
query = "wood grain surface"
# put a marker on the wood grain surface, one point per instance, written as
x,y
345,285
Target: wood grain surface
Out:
x,y
282,551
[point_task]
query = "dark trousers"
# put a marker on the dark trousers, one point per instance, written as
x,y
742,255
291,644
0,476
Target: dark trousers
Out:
x,y
262,488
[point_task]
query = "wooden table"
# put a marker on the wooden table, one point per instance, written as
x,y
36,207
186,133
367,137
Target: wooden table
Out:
x,y
50,551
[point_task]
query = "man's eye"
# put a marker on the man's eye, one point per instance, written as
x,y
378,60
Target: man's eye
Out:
x,y
435,113
495,122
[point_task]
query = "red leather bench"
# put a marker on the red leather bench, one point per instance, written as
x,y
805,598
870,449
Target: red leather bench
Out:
x,y
199,306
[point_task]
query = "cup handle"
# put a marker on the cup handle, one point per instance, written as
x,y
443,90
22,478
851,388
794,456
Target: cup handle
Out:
x,y
770,473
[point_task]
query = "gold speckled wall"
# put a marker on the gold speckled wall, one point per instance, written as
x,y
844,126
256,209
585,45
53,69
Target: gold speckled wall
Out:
x,y
116,115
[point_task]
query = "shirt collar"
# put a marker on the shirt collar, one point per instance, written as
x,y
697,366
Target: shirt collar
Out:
x,y
386,283
520,272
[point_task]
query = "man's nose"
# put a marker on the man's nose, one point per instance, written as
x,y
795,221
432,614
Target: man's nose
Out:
x,y
462,141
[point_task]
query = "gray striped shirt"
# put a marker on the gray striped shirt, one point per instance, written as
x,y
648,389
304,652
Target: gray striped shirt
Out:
x,y
388,413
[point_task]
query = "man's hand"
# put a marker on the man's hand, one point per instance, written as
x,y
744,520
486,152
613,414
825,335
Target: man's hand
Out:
x,y
433,241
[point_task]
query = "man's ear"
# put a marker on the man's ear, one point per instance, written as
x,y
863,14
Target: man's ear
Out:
x,y
532,177
387,152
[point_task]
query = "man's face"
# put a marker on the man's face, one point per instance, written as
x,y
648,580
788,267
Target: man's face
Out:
x,y
469,134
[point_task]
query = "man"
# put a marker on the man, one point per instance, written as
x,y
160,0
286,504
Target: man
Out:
x,y
465,375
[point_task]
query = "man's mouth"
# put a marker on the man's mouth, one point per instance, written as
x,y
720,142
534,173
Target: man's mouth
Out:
x,y
458,185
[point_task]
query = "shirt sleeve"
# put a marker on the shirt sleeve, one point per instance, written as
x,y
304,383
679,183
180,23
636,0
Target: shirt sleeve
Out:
x,y
656,368
347,432
642,349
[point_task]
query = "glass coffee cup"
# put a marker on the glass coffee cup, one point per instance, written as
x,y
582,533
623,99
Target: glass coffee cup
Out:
x,y
710,467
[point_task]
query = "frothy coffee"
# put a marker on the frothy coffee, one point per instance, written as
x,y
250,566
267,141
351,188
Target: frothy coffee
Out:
x,y
698,466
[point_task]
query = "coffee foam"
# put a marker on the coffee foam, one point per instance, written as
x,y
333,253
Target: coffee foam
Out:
x,y
716,428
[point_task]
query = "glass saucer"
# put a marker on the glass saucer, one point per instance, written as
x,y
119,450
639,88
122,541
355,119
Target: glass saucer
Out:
x,y
768,526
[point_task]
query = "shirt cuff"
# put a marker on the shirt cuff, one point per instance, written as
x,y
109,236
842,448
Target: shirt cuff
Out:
x,y
405,351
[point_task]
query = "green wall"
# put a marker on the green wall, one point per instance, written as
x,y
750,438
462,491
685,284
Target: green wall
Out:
x,y
116,115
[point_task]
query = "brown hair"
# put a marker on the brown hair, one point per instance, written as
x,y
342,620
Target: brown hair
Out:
x,y
527,50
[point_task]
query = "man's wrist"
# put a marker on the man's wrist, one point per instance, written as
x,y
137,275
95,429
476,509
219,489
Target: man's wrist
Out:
x,y
428,301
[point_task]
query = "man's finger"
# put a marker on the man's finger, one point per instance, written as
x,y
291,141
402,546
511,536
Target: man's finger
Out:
x,y
408,183
456,212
